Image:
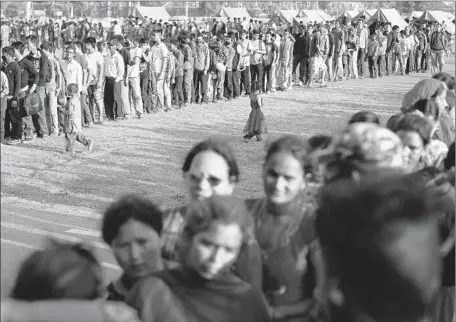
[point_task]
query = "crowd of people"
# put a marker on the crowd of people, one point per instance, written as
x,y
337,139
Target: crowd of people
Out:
x,y
353,226
145,66
358,225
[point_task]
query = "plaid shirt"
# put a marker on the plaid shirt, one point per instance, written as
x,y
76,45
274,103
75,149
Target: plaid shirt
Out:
x,y
170,66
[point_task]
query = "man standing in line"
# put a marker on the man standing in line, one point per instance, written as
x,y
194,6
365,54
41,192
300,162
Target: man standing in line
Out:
x,y
363,35
29,80
125,113
339,49
188,68
87,118
390,44
256,60
202,64
52,88
421,50
438,48
95,64
159,62
114,74
13,73
244,49
285,61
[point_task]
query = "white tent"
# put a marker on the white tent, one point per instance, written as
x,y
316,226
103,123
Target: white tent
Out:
x,y
437,16
367,14
415,15
156,13
311,16
287,15
388,15
325,16
350,13
234,13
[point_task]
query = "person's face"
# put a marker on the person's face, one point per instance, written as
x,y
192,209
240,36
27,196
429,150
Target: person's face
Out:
x,y
413,148
256,36
243,36
208,175
156,37
310,30
137,249
286,35
70,53
30,46
283,178
213,251
268,38
388,28
441,100
113,48
337,25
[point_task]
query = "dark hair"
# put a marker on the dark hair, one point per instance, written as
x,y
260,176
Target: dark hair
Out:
x,y
292,144
142,41
447,79
126,208
91,41
428,107
19,46
175,42
79,45
9,50
226,209
449,160
61,271
415,123
221,148
395,27
364,116
356,223
319,142
393,120
32,38
72,89
72,48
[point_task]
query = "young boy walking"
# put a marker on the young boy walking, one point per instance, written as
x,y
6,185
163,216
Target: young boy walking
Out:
x,y
73,121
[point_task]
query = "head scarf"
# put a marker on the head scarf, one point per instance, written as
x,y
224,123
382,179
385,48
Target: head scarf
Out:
x,y
424,89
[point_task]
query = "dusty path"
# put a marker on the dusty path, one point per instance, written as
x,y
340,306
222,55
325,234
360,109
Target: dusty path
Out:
x,y
45,192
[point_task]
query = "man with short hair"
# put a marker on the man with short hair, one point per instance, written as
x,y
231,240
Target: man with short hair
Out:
x,y
244,48
397,52
126,55
13,117
87,119
114,74
29,81
95,64
269,61
339,49
202,64
438,46
159,62
390,44
285,61
256,60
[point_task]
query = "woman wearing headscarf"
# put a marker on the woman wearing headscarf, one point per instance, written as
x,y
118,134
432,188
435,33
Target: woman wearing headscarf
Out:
x,y
284,230
203,288
433,88
210,168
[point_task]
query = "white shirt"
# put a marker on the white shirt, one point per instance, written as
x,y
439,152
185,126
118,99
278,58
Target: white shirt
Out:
x,y
4,90
94,61
114,66
117,30
135,53
159,53
74,73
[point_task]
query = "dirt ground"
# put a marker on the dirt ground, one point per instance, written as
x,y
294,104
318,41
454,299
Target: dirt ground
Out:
x,y
41,185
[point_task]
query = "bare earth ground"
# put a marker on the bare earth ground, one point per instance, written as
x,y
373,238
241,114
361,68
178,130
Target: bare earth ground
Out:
x,y
48,193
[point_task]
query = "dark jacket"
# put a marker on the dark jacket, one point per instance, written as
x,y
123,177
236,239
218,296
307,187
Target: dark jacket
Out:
x,y
13,73
43,66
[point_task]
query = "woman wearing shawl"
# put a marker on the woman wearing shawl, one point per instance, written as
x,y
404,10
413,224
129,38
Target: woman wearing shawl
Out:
x,y
210,168
203,288
433,88
284,228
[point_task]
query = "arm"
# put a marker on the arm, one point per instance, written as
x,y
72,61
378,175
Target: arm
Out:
x,y
120,68
17,81
164,53
207,60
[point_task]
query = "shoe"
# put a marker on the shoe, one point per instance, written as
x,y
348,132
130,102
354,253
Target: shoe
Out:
x,y
167,109
248,136
127,117
214,101
90,125
90,145
259,138
14,142
40,136
186,105
139,115
28,139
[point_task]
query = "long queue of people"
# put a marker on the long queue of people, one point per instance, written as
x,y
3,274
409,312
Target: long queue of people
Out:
x,y
172,68
353,226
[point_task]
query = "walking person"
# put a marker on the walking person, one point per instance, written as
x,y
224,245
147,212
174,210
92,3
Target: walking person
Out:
x,y
256,124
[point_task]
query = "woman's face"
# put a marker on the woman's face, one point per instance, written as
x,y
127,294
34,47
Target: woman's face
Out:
x,y
441,100
413,148
208,175
137,249
214,250
283,178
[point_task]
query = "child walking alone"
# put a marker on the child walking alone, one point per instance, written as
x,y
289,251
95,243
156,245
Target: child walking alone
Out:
x,y
256,124
73,121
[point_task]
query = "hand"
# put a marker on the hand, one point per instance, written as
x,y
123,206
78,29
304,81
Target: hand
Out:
x,y
204,72
125,82
172,81
9,97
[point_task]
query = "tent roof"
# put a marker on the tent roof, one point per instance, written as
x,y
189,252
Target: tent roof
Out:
x,y
366,13
350,13
234,13
156,13
389,15
438,16
288,15
312,15
325,16
415,14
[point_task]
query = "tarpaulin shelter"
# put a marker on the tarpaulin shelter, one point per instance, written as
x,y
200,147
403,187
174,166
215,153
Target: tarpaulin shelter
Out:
x,y
311,16
325,16
366,14
434,16
234,13
284,16
350,14
415,15
388,15
156,13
